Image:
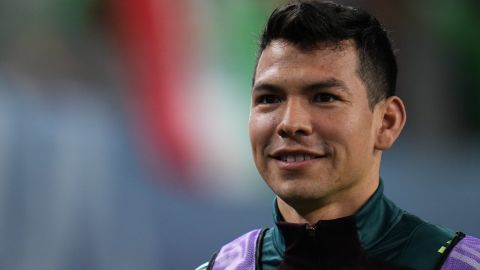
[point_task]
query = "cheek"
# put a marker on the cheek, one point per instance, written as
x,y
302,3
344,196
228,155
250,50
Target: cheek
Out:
x,y
337,127
358,133
347,132
261,129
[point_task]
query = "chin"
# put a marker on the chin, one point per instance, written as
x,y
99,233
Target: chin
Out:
x,y
295,192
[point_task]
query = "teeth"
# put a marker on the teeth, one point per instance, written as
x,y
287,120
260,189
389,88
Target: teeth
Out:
x,y
295,158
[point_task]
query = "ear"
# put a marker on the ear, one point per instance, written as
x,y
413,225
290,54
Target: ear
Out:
x,y
392,117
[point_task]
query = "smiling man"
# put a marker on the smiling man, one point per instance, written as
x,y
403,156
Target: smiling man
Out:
x,y
316,140
323,111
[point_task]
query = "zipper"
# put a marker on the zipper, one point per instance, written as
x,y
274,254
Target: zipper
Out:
x,y
311,232
310,229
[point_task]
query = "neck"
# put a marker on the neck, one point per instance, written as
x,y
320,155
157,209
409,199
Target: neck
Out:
x,y
345,203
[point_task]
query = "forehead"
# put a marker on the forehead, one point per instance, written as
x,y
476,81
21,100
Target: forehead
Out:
x,y
282,61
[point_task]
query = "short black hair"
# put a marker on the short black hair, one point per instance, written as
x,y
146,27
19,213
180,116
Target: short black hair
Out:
x,y
311,24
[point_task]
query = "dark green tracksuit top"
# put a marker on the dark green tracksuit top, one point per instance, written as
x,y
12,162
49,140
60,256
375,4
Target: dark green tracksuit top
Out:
x,y
379,236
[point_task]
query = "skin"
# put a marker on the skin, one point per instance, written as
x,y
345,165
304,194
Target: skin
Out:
x,y
314,103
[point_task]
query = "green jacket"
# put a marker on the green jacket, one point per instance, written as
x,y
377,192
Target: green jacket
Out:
x,y
380,231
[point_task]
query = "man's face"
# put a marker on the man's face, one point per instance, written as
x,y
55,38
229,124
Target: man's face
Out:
x,y
311,128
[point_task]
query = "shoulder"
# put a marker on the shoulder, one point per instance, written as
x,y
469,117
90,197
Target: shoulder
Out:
x,y
240,252
414,243
426,245
426,237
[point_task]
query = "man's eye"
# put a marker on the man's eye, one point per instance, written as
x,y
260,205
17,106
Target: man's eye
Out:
x,y
325,97
268,99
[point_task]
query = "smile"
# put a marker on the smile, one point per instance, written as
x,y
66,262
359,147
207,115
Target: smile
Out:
x,y
295,158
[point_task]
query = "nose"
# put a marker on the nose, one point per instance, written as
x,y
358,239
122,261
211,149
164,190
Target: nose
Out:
x,y
296,120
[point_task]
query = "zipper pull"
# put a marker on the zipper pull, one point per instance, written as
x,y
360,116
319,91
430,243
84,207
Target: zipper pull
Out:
x,y
310,230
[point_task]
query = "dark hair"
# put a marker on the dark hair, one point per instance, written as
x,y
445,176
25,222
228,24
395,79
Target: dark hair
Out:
x,y
311,24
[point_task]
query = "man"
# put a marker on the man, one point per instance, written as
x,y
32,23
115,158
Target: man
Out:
x,y
323,111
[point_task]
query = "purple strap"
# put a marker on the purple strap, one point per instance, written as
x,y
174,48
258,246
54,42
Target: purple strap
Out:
x,y
465,255
239,254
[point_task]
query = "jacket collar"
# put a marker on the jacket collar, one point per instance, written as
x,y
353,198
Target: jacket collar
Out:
x,y
373,221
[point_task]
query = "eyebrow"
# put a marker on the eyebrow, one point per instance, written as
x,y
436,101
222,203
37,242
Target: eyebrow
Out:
x,y
315,86
266,87
327,84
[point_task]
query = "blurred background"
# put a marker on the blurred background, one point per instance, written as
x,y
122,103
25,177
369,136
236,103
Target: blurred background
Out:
x,y
123,127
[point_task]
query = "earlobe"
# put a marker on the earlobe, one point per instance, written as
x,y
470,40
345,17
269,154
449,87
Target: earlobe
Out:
x,y
393,119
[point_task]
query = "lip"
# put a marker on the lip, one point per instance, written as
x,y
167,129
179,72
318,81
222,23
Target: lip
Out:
x,y
296,165
295,151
